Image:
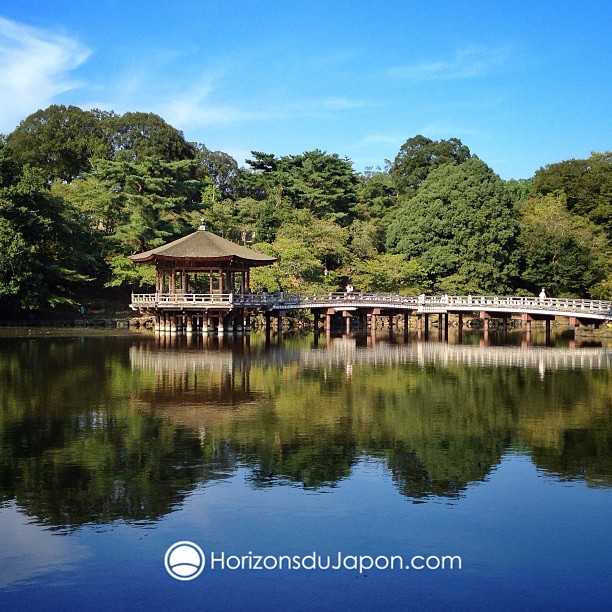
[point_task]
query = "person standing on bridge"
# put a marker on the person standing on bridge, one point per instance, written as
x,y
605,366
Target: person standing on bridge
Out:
x,y
542,295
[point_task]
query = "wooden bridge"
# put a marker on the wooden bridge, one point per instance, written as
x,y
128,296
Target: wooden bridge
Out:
x,y
226,312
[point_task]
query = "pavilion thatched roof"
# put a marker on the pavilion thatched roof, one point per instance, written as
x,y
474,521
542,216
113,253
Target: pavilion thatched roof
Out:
x,y
205,247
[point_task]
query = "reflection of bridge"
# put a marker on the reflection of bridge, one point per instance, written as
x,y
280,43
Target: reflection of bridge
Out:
x,y
345,352
177,311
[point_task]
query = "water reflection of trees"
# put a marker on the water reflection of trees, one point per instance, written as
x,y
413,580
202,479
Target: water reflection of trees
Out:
x,y
105,429
72,448
437,424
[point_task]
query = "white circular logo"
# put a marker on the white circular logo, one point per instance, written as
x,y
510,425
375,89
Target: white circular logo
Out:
x,y
184,560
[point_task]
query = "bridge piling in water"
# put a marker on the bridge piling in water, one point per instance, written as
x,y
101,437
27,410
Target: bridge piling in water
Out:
x,y
182,312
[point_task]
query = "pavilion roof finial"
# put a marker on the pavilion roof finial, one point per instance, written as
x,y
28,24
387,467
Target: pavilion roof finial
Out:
x,y
202,225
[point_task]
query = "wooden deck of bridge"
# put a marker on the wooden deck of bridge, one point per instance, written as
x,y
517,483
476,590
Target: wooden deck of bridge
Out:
x,y
228,312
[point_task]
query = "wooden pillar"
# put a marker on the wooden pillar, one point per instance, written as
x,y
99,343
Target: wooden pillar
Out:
x,y
390,322
279,322
485,316
189,324
347,321
419,321
315,315
373,323
268,322
547,323
446,326
527,320
247,323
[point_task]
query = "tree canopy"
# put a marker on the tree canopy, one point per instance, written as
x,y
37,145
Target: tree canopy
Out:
x,y
82,190
461,228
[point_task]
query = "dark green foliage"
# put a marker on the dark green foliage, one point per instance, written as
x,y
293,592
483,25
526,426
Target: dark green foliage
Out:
x,y
82,190
419,156
138,206
560,251
135,136
60,140
324,184
40,240
461,228
586,185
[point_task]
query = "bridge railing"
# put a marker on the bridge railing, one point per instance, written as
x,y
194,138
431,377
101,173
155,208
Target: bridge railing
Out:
x,y
422,302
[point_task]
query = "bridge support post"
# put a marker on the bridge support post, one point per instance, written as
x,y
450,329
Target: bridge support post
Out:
x,y
328,316
526,318
315,314
247,323
347,321
446,326
189,324
279,322
485,316
268,316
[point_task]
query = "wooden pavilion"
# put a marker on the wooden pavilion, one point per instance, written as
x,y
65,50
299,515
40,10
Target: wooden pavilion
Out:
x,y
200,280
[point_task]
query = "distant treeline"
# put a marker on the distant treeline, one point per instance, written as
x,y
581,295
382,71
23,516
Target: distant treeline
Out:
x,y
81,190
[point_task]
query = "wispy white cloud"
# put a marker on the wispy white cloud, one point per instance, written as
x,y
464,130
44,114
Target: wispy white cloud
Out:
x,y
193,108
379,139
35,67
464,64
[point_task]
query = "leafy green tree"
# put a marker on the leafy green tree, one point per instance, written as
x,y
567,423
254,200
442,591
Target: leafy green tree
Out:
x,y
136,136
563,252
310,252
324,184
61,140
39,240
221,170
420,155
137,206
586,185
461,228
389,273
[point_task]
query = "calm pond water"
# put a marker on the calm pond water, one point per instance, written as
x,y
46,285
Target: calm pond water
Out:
x,y
338,474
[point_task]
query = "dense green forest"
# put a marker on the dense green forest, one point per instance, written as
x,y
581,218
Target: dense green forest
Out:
x,y
82,190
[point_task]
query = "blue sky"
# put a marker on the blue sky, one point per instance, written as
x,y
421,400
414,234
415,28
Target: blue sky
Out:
x,y
522,83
